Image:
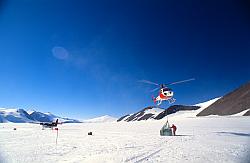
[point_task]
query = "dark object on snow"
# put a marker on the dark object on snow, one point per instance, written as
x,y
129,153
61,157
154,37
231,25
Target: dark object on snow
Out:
x,y
49,124
166,130
14,128
232,103
90,133
174,128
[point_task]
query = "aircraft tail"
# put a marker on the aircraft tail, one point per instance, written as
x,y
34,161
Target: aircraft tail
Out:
x,y
56,122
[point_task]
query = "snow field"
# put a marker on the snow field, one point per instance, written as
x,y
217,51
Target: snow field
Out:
x,y
201,139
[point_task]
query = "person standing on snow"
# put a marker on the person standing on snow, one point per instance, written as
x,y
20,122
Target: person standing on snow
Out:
x,y
174,128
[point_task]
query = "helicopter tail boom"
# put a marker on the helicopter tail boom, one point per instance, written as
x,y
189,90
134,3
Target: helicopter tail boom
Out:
x,y
154,99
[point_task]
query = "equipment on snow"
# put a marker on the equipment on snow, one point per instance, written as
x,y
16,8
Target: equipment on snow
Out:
x,y
166,130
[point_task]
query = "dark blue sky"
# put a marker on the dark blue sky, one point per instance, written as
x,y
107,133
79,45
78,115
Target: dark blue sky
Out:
x,y
83,58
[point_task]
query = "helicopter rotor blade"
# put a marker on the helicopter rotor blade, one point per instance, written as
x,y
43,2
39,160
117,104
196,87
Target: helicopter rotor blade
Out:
x,y
155,89
148,82
182,81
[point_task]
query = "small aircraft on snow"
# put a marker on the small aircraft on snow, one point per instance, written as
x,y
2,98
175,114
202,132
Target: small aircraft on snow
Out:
x,y
165,93
49,124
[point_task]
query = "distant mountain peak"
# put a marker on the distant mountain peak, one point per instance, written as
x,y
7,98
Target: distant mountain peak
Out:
x,y
30,111
101,119
147,113
30,116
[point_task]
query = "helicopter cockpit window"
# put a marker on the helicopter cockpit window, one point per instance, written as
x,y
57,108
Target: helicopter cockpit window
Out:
x,y
166,89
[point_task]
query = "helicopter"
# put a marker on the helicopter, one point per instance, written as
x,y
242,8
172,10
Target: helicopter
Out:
x,y
165,93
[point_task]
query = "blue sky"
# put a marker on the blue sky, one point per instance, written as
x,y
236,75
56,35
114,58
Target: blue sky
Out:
x,y
83,59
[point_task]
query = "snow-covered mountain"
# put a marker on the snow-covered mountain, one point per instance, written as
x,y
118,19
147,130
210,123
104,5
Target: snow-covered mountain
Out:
x,y
204,105
49,117
176,108
145,114
31,116
14,115
159,113
102,119
232,103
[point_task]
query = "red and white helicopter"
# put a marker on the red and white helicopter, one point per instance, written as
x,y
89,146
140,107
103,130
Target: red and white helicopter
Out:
x,y
165,93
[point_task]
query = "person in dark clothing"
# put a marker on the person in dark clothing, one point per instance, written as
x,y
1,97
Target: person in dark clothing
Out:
x,y
174,128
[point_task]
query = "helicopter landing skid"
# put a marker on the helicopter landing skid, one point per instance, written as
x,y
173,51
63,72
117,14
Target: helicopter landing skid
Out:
x,y
159,102
171,101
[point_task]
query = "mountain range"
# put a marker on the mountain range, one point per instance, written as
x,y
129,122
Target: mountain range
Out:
x,y
145,114
236,102
155,113
22,116
232,103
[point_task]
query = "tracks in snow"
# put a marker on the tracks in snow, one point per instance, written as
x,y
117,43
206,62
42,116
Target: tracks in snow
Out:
x,y
144,156
148,156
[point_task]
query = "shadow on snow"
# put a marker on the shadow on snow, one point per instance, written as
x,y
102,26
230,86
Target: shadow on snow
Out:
x,y
235,133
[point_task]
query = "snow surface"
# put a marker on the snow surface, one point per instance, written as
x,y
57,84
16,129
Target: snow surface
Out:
x,y
200,139
105,118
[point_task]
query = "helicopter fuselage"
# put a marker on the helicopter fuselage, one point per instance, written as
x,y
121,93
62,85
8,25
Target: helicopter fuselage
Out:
x,y
164,94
